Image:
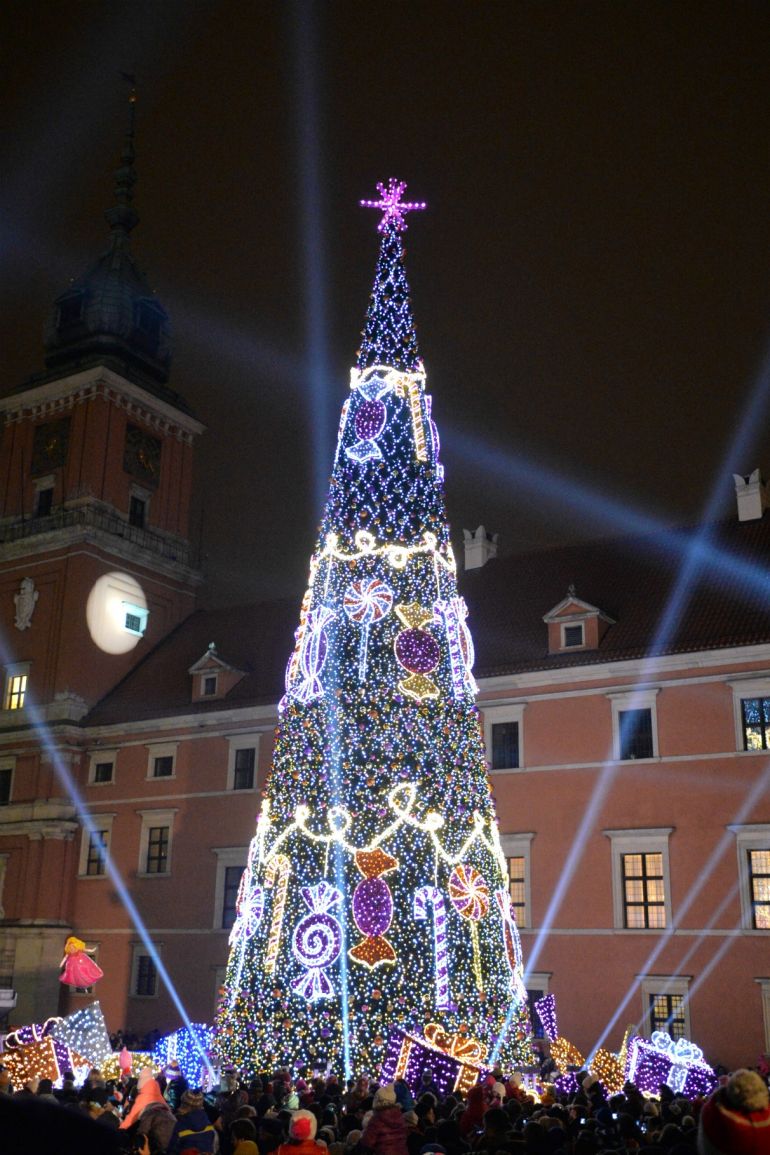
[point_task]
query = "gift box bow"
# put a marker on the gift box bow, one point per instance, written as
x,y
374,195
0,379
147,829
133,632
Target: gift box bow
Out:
x,y
677,1050
458,1046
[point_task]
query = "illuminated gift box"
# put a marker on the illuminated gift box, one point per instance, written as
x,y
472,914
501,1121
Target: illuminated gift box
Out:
x,y
454,1061
85,1031
190,1047
679,1064
47,1059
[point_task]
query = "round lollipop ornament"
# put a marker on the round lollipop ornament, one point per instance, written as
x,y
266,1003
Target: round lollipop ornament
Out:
x,y
469,895
366,602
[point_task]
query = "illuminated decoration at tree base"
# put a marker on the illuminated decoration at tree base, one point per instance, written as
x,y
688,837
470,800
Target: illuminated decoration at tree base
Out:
x,y
110,1068
679,1064
453,1061
609,1070
184,1047
376,894
33,1052
85,1031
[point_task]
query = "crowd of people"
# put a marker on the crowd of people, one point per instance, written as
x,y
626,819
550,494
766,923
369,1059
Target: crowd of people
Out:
x,y
160,1114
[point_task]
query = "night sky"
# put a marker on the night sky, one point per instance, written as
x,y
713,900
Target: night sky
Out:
x,y
591,282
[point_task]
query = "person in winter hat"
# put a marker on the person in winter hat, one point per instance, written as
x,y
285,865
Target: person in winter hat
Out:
x,y
302,1132
194,1131
385,1132
735,1120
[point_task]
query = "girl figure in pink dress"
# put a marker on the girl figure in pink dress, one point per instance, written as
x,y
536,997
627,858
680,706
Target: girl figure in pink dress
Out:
x,y
79,969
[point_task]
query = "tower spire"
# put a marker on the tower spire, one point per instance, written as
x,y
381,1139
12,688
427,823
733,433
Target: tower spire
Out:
x,y
122,217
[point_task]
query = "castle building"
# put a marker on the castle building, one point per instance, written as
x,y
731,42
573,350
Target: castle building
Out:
x,y
628,752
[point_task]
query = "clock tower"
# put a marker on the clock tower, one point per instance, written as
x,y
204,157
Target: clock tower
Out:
x,y
95,556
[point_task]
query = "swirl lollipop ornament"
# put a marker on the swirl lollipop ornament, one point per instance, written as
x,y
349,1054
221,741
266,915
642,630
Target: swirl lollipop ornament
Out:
x,y
367,601
469,895
317,942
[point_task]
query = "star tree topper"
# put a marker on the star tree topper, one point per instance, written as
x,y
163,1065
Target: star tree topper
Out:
x,y
393,208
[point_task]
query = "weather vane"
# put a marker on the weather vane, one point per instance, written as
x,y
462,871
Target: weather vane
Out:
x,y
393,208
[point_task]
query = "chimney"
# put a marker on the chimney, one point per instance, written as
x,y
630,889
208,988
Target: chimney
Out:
x,y
751,494
479,547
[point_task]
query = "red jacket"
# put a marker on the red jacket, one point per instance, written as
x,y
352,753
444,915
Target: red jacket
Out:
x,y
725,1131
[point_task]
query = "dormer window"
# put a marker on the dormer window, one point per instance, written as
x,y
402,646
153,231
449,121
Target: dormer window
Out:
x,y
135,618
208,685
149,322
574,624
212,677
573,636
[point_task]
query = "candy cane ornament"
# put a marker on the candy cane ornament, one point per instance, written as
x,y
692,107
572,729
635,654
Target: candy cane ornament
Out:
x,y
277,877
426,896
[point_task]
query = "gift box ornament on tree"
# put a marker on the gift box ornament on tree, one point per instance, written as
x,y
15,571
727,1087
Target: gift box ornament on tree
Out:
x,y
454,1061
376,890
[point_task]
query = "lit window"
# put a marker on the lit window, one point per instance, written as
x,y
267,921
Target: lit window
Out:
x,y
641,887
97,853
759,885
16,691
666,1005
232,881
667,1014
517,884
243,770
755,713
644,891
135,618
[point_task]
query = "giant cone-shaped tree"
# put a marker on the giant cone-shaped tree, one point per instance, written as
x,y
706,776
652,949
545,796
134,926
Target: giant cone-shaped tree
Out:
x,y
376,891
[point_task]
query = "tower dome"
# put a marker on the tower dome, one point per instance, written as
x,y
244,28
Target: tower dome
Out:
x,y
110,314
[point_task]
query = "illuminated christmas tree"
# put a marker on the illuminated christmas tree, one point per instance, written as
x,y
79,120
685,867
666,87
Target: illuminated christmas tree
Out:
x,y
376,891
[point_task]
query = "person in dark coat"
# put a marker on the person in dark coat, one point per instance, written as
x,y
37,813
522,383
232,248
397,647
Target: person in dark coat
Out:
x,y
194,1130
385,1132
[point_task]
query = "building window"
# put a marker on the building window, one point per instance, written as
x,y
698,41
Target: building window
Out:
x,y
516,848
71,309
573,636
243,771
15,691
635,734
162,761
759,886
233,875
155,843
517,886
753,846
665,1005
163,767
209,687
503,734
641,889
242,762
634,724
101,767
144,973
505,745
44,501
537,988
103,772
755,715
6,777
231,863
158,838
137,511
135,618
96,857
7,964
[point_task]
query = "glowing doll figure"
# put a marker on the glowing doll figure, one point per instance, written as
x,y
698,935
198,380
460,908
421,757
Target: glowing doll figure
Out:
x,y
378,805
80,970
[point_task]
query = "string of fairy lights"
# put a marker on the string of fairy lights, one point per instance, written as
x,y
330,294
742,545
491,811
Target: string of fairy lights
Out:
x,y
376,892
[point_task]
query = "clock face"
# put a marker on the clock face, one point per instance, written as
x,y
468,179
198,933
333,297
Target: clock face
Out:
x,y
141,456
50,445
